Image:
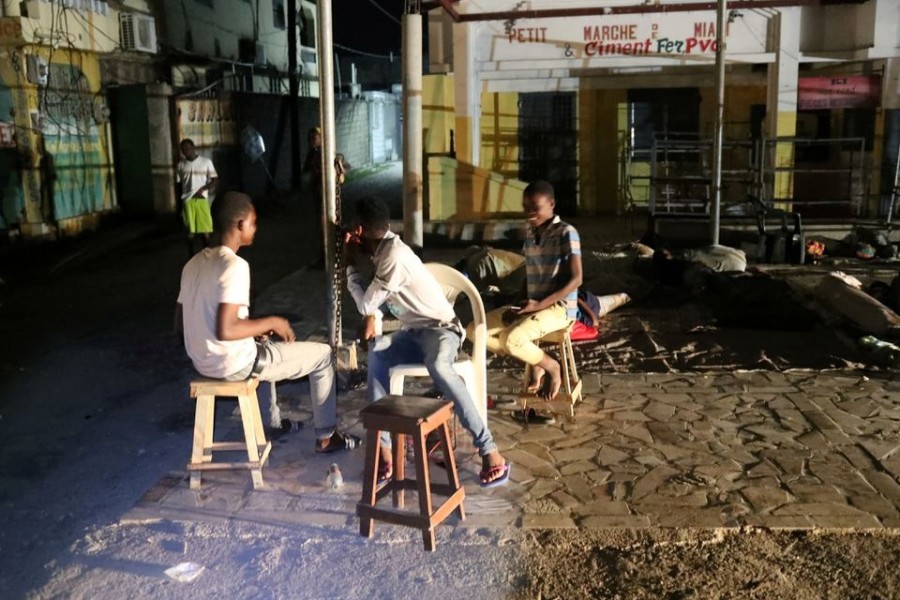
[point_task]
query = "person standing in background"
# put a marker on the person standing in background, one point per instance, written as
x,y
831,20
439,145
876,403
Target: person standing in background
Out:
x,y
312,183
197,178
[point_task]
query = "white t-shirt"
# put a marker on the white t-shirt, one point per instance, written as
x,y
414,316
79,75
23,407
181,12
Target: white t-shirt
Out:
x,y
194,174
215,276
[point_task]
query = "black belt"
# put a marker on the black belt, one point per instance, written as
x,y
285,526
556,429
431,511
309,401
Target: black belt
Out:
x,y
262,359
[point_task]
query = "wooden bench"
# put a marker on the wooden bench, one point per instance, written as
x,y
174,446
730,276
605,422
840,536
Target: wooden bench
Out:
x,y
255,444
416,417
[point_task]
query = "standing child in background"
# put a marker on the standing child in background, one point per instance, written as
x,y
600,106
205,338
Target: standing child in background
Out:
x,y
312,182
197,177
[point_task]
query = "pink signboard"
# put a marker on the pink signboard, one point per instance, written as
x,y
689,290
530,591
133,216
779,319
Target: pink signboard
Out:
x,y
857,91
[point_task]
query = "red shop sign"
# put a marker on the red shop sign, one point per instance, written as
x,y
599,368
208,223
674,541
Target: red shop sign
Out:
x,y
857,91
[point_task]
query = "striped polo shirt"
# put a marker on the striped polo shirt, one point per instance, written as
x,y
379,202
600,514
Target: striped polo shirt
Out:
x,y
547,261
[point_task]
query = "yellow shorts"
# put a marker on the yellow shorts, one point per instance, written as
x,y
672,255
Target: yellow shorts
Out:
x,y
197,216
519,338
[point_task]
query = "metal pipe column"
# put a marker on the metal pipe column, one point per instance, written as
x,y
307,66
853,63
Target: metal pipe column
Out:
x,y
325,51
412,130
720,116
294,93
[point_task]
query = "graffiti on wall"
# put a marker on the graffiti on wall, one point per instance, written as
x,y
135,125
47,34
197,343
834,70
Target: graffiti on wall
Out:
x,y
73,150
57,166
207,122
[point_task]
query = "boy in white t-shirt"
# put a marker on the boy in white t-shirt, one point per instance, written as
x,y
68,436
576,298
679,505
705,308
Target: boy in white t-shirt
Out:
x,y
224,343
196,178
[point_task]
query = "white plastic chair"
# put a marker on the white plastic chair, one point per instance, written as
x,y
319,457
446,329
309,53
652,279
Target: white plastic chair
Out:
x,y
473,370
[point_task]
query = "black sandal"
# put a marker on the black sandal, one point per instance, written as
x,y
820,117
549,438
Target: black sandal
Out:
x,y
287,426
533,417
338,442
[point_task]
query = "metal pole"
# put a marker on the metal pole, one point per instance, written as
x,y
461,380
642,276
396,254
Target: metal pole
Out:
x,y
337,72
329,213
894,191
294,92
412,129
720,116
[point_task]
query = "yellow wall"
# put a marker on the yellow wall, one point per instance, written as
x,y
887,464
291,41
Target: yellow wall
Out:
x,y
738,101
599,149
437,113
500,133
458,190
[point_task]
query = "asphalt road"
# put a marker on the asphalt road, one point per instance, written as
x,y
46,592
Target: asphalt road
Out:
x,y
92,406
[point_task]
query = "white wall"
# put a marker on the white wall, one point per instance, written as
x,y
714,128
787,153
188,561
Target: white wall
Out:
x,y
229,21
557,50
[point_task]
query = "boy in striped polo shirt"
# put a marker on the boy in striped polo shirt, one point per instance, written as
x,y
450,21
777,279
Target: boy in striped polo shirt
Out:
x,y
553,271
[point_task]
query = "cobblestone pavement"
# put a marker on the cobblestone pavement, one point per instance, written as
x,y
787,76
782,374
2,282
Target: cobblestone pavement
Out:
x,y
777,447
756,448
777,450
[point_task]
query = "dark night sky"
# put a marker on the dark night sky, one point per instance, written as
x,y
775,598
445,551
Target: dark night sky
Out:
x,y
361,26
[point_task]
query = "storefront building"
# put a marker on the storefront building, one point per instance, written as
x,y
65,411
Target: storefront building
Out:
x,y
615,104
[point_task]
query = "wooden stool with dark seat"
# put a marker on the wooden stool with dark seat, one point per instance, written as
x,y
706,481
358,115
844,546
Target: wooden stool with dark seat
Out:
x,y
403,416
570,393
205,391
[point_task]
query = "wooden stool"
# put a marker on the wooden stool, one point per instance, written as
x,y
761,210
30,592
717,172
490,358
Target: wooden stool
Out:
x,y
570,393
205,391
415,417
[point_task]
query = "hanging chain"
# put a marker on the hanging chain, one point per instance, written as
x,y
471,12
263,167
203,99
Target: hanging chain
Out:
x,y
338,277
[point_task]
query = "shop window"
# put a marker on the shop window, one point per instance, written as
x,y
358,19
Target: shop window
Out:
x,y
307,28
548,144
278,17
661,113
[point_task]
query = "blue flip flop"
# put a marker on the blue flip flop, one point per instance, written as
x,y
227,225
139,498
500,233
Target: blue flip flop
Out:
x,y
502,480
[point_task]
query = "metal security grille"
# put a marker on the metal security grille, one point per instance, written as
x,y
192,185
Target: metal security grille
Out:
x,y
548,145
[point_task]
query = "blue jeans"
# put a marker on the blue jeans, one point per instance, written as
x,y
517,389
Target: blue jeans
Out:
x,y
436,348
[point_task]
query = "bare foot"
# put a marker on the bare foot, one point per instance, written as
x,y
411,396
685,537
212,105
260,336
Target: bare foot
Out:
x,y
551,386
537,378
490,467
